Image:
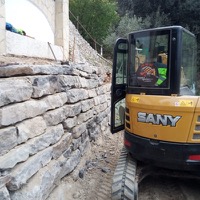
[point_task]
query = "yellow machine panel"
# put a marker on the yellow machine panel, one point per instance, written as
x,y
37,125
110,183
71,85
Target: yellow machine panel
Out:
x,y
176,117
194,135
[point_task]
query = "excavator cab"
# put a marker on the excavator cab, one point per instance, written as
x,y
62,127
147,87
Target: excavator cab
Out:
x,y
154,98
159,61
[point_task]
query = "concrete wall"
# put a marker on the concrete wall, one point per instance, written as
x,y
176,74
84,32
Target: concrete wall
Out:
x,y
24,46
48,9
2,28
49,115
57,14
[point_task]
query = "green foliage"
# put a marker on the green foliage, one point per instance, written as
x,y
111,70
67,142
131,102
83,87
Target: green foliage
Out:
x,y
101,17
165,12
157,19
130,22
125,26
95,15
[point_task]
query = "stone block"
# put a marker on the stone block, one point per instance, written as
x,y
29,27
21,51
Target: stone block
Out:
x,y
45,85
84,136
4,180
8,139
44,181
74,109
102,89
93,83
100,99
24,171
87,104
56,116
94,133
21,91
56,100
17,112
75,95
68,82
62,145
101,107
91,124
92,93
69,164
14,156
70,123
68,152
22,152
101,116
83,147
39,185
30,128
51,136
76,143
83,82
78,130
83,117
15,70
4,194
86,68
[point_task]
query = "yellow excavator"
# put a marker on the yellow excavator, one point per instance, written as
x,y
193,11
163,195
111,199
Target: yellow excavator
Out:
x,y
154,99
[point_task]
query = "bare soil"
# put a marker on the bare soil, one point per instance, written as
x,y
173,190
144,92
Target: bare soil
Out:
x,y
92,179
167,188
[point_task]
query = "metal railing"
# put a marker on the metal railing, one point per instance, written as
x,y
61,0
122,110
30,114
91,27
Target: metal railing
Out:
x,y
78,23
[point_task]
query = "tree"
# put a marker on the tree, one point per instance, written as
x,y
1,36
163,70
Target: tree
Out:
x,y
96,16
125,7
157,19
166,12
172,12
125,26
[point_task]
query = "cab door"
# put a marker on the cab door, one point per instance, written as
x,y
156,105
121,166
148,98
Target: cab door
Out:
x,y
119,82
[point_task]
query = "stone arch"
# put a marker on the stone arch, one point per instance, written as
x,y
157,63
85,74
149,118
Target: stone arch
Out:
x,y
48,9
57,15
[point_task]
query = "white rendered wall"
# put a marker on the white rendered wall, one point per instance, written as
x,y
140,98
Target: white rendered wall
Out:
x,y
57,14
24,46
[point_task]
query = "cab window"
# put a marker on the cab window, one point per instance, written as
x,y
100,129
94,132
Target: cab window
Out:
x,y
188,65
121,64
150,66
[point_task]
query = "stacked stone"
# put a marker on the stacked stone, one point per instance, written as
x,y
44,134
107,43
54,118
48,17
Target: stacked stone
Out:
x,y
49,115
81,51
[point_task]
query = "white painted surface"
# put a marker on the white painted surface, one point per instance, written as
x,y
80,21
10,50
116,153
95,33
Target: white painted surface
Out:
x,y
24,46
30,19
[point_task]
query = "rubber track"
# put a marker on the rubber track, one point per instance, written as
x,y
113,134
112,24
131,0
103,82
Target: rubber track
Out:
x,y
124,185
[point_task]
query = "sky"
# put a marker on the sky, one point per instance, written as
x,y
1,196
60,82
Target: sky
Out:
x,y
22,14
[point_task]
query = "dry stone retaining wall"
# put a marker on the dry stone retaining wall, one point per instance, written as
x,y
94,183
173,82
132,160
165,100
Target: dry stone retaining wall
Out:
x,y
48,116
80,50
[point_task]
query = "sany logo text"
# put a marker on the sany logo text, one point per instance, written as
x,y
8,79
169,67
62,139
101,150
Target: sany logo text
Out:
x,y
157,119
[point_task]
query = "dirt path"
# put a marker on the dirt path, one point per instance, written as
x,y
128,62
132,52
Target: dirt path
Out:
x,y
92,179
166,188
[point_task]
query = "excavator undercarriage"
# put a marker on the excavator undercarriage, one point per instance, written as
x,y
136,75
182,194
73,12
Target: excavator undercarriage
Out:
x,y
129,173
